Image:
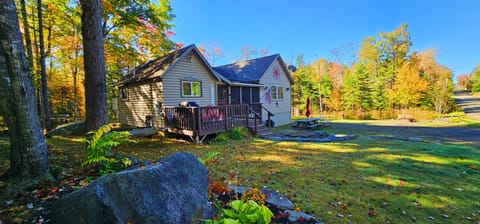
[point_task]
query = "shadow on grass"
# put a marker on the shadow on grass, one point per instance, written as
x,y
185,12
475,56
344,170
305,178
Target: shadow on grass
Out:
x,y
361,181
432,132
364,181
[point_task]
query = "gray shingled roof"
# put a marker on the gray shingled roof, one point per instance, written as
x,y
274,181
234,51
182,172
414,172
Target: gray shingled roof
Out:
x,y
156,68
247,71
149,70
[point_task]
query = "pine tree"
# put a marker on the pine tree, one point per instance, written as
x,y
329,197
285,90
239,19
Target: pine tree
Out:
x,y
350,92
94,63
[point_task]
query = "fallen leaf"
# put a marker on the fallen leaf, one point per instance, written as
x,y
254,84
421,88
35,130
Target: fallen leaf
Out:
x,y
54,189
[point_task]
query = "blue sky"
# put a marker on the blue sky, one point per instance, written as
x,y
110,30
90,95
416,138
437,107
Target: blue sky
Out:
x,y
315,28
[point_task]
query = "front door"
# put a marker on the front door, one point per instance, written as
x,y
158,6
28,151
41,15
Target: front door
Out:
x,y
222,95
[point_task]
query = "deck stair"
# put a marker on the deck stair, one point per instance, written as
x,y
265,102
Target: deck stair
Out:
x,y
262,130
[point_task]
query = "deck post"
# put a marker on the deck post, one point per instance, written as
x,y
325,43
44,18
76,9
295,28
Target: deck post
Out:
x,y
197,139
197,122
227,117
245,108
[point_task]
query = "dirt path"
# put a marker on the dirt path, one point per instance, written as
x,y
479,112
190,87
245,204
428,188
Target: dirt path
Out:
x,y
470,104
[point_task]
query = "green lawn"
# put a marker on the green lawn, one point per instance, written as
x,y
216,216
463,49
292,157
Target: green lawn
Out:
x,y
361,181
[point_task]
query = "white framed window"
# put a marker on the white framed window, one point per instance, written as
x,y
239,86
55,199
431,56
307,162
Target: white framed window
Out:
x,y
276,93
124,94
191,89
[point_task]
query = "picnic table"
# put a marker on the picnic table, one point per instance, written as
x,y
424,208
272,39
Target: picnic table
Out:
x,y
310,123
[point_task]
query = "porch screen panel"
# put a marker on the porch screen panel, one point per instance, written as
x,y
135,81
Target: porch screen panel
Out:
x,y
235,94
245,94
255,94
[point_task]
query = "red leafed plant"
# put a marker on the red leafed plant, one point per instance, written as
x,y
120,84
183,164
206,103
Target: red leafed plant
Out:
x,y
218,188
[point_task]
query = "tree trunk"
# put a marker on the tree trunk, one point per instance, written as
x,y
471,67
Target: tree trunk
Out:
x,y
26,29
28,154
75,74
36,70
94,63
47,112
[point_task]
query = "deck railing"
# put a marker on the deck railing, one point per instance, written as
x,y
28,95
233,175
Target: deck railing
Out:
x,y
201,121
180,117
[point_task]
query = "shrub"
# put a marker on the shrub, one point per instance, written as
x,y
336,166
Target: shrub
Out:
x,y
245,212
238,133
222,137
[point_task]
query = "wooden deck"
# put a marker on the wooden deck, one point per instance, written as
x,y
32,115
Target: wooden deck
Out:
x,y
198,122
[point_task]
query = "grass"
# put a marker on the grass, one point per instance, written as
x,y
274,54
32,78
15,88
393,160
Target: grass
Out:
x,y
361,181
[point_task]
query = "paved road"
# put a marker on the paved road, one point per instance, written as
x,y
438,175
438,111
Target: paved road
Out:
x,y
470,104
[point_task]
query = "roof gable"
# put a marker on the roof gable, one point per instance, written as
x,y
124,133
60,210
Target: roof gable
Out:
x,y
155,69
247,71
250,71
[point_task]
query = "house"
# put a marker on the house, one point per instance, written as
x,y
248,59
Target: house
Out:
x,y
264,80
181,92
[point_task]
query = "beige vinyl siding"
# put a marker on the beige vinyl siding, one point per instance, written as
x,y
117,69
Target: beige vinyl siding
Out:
x,y
188,70
143,99
283,108
142,102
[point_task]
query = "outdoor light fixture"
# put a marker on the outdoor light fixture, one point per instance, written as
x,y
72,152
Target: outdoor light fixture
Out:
x,y
288,89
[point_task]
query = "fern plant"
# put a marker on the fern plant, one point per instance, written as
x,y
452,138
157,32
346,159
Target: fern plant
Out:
x,y
209,157
100,144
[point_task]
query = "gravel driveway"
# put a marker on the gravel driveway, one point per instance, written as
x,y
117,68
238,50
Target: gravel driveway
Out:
x,y
403,129
425,130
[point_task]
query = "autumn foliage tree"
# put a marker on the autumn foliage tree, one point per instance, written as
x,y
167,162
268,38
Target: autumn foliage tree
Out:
x,y
409,87
463,81
133,32
475,80
440,83
385,77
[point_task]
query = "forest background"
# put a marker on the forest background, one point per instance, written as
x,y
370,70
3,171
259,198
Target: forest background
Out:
x,y
385,80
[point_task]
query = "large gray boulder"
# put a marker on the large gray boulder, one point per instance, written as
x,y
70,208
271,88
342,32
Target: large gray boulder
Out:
x,y
172,191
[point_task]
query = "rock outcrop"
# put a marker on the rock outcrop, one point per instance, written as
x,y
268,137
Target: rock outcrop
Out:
x,y
171,191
